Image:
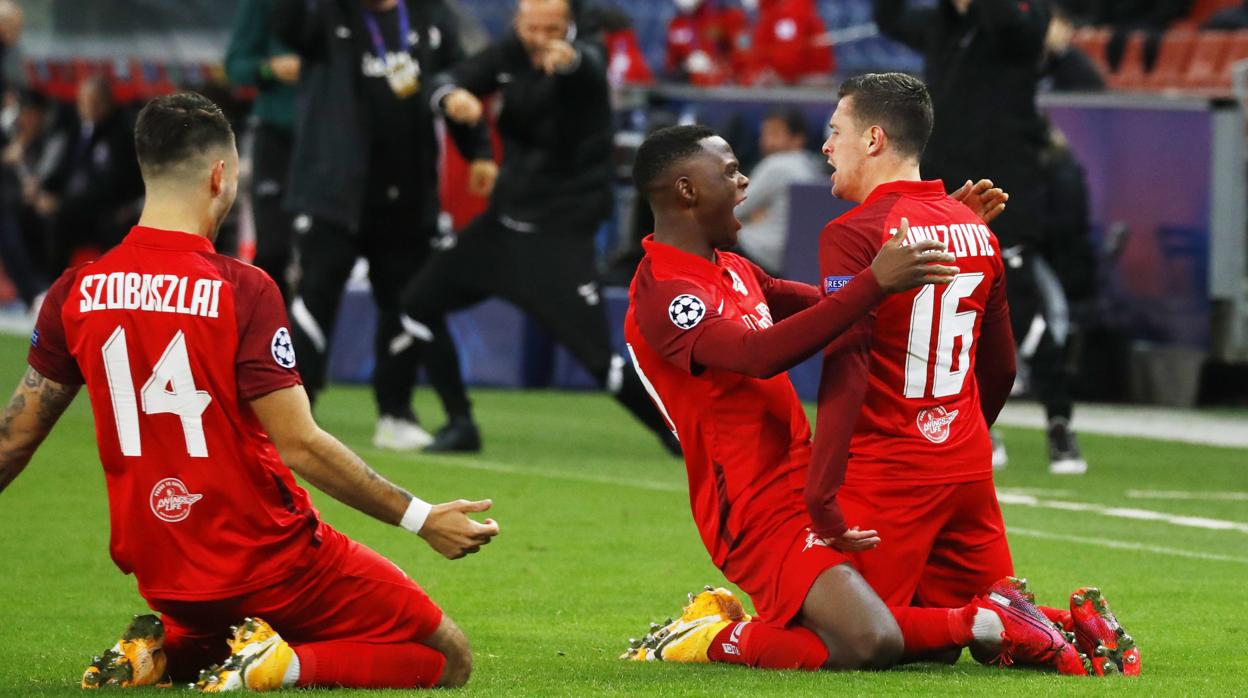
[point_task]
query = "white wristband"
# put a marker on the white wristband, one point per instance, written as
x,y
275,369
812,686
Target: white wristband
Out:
x,y
417,511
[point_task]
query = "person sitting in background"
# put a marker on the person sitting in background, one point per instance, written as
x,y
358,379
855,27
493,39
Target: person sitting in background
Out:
x,y
706,43
90,200
1228,18
786,161
626,65
32,153
1066,67
788,43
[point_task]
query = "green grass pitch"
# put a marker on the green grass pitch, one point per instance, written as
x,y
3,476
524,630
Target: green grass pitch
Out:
x,y
597,541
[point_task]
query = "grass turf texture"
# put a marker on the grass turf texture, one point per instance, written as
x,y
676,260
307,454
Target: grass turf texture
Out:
x,y
597,541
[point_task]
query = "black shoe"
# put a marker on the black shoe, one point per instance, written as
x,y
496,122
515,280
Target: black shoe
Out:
x,y
1064,456
460,435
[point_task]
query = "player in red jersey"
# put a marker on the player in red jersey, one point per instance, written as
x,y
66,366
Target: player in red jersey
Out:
x,y
710,333
930,369
200,418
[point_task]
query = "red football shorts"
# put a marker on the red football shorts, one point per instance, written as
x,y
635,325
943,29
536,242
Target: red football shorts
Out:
x,y
345,592
777,573
940,545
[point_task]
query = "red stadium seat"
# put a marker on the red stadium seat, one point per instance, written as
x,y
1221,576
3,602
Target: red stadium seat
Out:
x,y
1172,59
1208,59
1130,73
1092,41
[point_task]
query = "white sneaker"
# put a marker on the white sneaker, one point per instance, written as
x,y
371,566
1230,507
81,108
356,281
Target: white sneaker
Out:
x,y
397,434
1064,455
999,457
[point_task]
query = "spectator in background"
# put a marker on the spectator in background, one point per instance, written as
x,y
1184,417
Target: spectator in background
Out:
x,y
626,65
790,45
11,20
93,197
1228,18
534,245
1126,16
256,58
1066,67
982,63
707,43
765,211
364,182
29,159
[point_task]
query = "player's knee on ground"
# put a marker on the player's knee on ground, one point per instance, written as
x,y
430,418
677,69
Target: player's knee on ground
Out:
x,y
453,644
877,646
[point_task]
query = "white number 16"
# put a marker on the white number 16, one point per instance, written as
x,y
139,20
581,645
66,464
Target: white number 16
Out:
x,y
952,326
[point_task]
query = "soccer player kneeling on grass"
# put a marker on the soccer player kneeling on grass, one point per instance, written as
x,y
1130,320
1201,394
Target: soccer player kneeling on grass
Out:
x,y
200,418
712,334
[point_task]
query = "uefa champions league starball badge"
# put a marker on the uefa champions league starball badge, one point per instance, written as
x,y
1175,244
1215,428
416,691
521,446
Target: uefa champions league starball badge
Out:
x,y
686,311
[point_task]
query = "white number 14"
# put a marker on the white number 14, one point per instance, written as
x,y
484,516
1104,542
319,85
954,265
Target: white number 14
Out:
x,y
169,390
952,326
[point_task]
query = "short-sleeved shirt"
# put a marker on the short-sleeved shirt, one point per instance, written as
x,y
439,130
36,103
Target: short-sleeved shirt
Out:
x,y
172,340
921,421
746,440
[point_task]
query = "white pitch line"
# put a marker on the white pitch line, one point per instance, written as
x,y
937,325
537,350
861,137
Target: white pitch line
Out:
x,y
1124,513
1123,545
1184,494
494,467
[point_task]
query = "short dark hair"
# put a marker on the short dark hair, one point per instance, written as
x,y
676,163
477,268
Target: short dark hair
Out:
x,y
793,119
176,128
664,148
897,102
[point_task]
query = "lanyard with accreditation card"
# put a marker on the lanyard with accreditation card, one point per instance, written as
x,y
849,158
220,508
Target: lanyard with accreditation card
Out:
x,y
403,76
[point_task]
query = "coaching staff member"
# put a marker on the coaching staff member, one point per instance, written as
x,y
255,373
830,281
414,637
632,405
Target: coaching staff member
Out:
x,y
364,181
534,245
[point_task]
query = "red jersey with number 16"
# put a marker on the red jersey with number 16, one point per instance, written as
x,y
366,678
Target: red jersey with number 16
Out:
x,y
921,420
172,340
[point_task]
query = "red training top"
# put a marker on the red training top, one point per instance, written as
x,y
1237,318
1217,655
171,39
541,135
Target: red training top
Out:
x,y
926,402
172,341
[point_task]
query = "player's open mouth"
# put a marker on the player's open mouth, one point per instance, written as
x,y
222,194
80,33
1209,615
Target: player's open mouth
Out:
x,y
740,201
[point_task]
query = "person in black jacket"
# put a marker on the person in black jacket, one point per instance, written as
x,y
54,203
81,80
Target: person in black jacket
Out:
x,y
534,245
983,66
363,181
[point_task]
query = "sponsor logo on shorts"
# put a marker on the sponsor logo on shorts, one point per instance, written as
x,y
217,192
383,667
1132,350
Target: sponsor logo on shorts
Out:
x,y
686,311
283,348
171,501
34,338
832,284
731,649
813,539
933,423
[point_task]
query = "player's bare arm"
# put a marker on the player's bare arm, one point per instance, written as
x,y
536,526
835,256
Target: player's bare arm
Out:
x,y
335,470
899,267
31,413
984,200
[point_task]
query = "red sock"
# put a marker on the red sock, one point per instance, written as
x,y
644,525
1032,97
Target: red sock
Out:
x,y
1061,616
927,630
365,665
768,647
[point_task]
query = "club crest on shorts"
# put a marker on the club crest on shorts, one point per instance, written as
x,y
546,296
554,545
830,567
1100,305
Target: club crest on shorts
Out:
x,y
283,348
933,423
171,501
686,311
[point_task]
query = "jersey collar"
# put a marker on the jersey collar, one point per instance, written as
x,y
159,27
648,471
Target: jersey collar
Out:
x,y
168,239
676,258
924,188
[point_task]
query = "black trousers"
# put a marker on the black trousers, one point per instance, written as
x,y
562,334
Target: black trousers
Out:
x,y
552,276
396,247
275,230
1031,298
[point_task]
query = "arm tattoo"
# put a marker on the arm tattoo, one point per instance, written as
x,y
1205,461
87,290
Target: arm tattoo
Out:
x,y
21,431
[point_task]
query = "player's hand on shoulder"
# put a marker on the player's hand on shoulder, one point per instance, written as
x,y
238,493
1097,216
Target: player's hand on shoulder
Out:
x,y
462,106
450,531
984,200
899,267
855,540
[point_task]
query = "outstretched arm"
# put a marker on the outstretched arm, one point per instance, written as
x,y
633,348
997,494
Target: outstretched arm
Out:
x,y
335,470
32,411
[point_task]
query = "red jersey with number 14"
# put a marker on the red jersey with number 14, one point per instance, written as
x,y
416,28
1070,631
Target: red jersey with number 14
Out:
x,y
172,340
921,420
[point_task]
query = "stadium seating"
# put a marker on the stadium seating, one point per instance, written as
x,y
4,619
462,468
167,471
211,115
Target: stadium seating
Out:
x,y
1172,59
1208,60
1130,73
